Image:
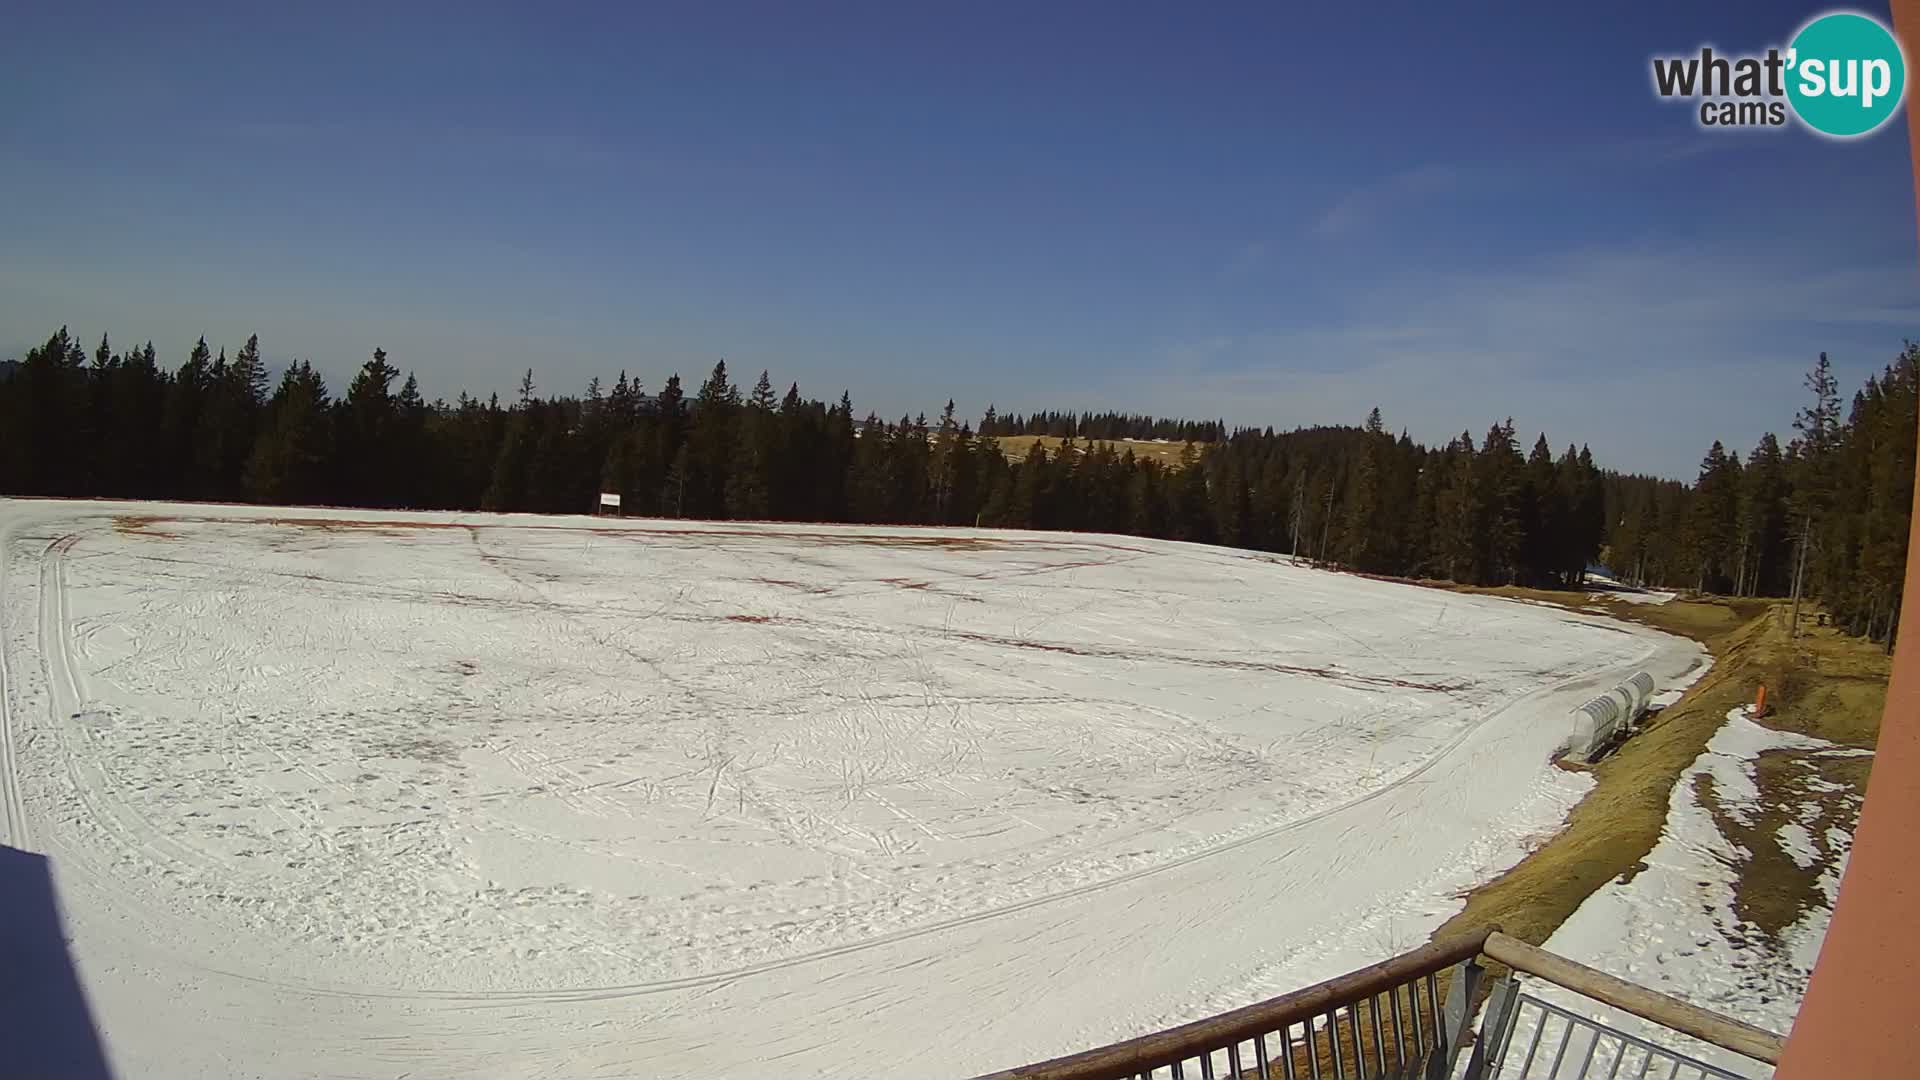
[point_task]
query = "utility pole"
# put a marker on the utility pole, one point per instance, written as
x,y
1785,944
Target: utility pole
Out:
x,y
1326,522
1299,511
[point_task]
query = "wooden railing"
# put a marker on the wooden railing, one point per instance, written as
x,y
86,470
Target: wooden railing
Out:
x,y
1321,1030
1670,1012
1390,1021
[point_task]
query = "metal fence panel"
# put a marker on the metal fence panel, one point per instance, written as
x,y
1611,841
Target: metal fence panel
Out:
x,y
1538,1040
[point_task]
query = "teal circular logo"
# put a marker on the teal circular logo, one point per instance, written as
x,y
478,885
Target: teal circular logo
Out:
x,y
1846,74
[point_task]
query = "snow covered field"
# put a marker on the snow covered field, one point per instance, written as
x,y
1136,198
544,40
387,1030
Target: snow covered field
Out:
x,y
438,795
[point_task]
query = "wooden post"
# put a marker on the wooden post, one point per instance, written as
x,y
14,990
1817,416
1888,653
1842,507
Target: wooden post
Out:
x,y
1760,702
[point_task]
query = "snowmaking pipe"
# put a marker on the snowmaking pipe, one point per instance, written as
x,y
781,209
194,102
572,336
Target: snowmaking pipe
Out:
x,y
1598,722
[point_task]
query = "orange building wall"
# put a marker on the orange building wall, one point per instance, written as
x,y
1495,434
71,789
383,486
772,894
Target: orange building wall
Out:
x,y
1861,1019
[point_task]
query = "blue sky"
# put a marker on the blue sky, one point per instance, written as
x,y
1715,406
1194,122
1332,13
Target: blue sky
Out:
x,y
1244,211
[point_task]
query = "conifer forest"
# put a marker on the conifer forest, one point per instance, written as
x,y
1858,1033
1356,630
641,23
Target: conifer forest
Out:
x,y
1827,501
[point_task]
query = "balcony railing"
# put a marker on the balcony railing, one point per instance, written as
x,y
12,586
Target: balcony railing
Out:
x,y
1543,1041
1411,1017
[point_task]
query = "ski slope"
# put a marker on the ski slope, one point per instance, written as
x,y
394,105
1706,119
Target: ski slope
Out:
x,y
349,793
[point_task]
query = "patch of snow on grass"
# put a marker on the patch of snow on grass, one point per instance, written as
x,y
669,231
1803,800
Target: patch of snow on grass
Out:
x,y
1638,596
1673,926
1602,585
1797,842
1840,840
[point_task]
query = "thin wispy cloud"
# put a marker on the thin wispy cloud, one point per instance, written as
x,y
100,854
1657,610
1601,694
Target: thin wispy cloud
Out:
x,y
1200,354
1249,258
1367,206
1588,346
556,147
1634,151
1375,204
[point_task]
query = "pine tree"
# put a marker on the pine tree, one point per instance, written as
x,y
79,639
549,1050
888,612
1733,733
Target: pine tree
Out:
x,y
711,442
229,422
673,492
1226,487
909,451
622,403
1589,517
1027,504
248,373
1714,520
869,475
670,414
1497,487
945,466
1764,542
411,454
750,476
1542,516
1360,535
507,486
556,482
289,462
1819,427
46,397
186,392
366,431
1190,516
1457,513
1888,446
135,417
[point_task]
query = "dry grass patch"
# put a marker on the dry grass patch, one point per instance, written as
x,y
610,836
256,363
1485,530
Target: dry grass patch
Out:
x,y
1015,447
142,525
1816,792
1822,684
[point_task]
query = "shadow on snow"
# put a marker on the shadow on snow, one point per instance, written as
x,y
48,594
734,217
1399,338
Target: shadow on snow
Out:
x,y
46,1028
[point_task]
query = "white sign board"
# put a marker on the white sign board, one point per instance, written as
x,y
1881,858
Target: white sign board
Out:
x,y
608,498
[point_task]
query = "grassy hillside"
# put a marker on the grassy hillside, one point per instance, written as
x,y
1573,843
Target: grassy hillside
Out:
x,y
1015,447
1823,684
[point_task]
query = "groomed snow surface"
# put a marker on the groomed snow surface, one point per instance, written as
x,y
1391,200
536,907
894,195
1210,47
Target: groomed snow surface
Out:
x,y
346,793
1602,585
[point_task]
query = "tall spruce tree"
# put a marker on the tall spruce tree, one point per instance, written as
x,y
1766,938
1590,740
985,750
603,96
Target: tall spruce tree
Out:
x,y
711,442
289,462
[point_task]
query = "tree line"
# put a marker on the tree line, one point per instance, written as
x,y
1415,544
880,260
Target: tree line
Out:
x,y
1828,507
1827,511
1103,426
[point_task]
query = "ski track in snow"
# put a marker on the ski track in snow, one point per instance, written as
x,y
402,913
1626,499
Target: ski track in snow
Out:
x,y
13,814
493,795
